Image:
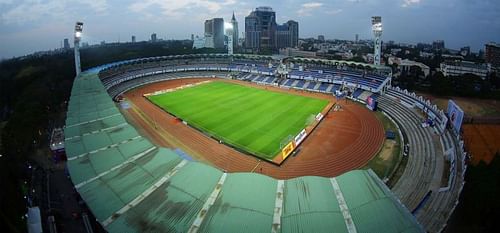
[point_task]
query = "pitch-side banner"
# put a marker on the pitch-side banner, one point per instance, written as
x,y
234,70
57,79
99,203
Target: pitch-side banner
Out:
x,y
319,117
371,103
455,115
288,149
300,137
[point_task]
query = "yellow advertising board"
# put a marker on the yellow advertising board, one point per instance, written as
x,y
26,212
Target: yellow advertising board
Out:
x,y
285,152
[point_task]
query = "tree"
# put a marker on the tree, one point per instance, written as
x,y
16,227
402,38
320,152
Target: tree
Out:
x,y
441,85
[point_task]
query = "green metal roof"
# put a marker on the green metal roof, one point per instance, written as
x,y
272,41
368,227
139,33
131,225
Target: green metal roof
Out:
x,y
132,185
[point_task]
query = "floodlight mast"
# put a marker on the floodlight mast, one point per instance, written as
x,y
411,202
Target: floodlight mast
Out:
x,y
377,32
78,36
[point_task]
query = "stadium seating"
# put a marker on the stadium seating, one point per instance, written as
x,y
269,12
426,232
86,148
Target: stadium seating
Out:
x,y
425,150
300,84
130,185
411,100
427,146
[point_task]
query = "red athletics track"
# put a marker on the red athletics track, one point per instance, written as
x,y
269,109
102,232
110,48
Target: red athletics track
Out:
x,y
343,141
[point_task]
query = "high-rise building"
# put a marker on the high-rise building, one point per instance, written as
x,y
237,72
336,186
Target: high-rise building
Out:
x,y
234,23
153,37
492,54
287,35
260,29
438,45
357,38
214,33
192,37
262,32
66,43
133,39
321,38
293,27
283,37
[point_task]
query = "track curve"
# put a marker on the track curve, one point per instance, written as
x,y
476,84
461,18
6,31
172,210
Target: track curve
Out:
x,y
343,141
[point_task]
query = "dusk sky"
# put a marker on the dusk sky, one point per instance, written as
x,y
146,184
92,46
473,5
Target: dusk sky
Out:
x,y
27,26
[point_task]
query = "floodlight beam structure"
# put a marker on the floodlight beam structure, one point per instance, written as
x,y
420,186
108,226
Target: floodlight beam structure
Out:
x,y
228,28
377,32
78,36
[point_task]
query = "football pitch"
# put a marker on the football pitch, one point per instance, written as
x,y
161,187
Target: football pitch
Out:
x,y
252,119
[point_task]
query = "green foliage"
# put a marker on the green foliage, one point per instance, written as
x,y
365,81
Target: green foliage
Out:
x,y
95,56
441,85
479,206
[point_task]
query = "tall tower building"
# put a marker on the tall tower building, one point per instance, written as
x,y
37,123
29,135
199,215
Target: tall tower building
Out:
x,y
234,23
260,29
153,37
283,37
66,43
287,35
377,32
214,33
209,37
293,27
133,39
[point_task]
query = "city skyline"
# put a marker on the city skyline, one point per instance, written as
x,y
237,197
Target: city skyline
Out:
x,y
30,26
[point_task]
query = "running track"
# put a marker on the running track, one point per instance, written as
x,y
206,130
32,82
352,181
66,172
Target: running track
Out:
x,y
344,140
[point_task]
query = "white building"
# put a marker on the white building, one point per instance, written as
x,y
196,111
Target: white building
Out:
x,y
456,68
199,42
405,65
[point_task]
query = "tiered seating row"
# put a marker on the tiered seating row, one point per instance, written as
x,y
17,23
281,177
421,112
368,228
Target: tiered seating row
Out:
x,y
415,183
412,100
441,204
125,86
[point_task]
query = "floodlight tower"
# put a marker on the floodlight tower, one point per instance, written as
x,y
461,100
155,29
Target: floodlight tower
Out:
x,y
377,32
229,32
78,35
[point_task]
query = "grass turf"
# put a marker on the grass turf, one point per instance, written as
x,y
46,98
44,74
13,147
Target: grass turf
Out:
x,y
252,119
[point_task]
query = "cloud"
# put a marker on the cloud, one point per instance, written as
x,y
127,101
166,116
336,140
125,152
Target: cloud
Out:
x,y
29,11
34,10
175,8
307,8
408,3
96,5
312,5
333,11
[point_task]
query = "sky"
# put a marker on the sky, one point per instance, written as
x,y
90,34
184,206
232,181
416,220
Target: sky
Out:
x,y
27,26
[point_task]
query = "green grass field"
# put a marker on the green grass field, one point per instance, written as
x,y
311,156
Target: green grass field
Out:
x,y
252,119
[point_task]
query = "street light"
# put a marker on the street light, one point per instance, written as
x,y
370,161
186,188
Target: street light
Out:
x,y
78,36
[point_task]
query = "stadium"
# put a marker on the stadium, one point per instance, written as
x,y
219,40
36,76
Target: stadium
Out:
x,y
248,143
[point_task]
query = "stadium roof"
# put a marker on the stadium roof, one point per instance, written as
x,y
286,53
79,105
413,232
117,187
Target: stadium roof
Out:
x,y
248,56
131,185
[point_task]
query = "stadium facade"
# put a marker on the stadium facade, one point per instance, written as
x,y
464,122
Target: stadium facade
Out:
x,y
132,185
